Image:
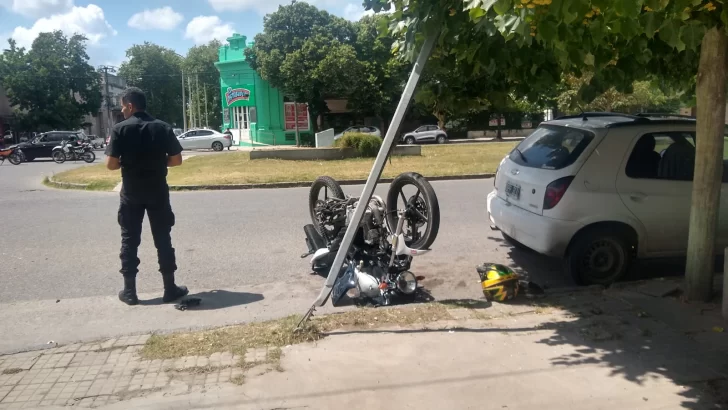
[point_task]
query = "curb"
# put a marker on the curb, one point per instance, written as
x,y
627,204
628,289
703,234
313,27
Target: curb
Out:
x,y
302,184
55,184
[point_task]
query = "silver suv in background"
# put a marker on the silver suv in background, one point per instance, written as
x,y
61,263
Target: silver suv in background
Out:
x,y
425,133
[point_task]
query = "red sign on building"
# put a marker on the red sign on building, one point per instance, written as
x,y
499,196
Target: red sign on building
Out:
x,y
289,115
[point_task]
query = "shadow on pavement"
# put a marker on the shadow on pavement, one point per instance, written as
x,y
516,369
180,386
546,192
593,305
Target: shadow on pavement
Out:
x,y
213,300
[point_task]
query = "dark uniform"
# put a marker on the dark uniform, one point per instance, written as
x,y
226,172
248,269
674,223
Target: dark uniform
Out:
x,y
142,144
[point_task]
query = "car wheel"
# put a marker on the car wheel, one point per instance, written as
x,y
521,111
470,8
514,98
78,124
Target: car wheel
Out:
x,y
409,140
441,139
217,146
599,256
514,243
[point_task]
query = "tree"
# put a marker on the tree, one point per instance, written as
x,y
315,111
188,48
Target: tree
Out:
x,y
620,41
52,85
199,65
158,72
645,97
377,92
308,54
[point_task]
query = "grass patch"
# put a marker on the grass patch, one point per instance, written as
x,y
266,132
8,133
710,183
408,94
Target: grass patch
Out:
x,y
97,177
239,380
278,333
237,168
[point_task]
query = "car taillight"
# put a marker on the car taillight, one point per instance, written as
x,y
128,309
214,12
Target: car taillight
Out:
x,y
555,191
227,137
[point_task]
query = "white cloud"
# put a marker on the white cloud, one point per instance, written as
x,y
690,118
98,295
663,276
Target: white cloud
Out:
x,y
89,21
203,29
163,18
355,12
38,8
263,6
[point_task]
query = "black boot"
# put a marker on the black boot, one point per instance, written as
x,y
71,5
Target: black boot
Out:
x,y
128,295
172,292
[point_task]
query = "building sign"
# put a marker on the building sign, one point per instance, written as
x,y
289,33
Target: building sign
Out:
x,y
236,94
289,114
494,122
226,116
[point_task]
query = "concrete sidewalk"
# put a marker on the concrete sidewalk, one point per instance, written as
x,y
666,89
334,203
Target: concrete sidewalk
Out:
x,y
613,349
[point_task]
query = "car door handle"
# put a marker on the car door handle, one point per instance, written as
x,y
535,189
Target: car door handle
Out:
x,y
637,196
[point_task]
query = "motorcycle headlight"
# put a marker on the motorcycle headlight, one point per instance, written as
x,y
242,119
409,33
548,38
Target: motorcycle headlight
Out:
x,y
407,283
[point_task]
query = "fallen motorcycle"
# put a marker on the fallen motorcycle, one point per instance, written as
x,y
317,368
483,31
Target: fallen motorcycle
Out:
x,y
12,154
69,152
390,234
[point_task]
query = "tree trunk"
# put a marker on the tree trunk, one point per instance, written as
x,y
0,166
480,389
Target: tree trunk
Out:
x,y
711,105
498,134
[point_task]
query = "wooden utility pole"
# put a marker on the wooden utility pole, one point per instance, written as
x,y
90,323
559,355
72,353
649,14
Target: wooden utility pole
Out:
x,y
192,111
197,95
107,97
207,121
184,104
711,104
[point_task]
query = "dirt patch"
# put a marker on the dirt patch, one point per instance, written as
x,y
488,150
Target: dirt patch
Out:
x,y
12,371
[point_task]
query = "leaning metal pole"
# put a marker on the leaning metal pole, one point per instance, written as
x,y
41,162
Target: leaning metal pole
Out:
x,y
375,173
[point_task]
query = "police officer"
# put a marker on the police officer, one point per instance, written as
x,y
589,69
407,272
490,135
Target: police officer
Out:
x,y
143,147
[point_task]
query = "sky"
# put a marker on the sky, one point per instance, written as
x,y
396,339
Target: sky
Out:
x,y
112,26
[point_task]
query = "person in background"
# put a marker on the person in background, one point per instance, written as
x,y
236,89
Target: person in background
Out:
x,y
143,147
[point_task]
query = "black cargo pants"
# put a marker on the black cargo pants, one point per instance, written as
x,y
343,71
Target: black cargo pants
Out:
x,y
161,221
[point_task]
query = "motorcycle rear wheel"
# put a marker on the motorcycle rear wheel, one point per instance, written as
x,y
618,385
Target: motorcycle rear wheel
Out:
x,y
424,209
330,186
59,157
15,159
89,156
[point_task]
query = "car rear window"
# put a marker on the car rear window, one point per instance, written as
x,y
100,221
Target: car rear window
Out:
x,y
551,147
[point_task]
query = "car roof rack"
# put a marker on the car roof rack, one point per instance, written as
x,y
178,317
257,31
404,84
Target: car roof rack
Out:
x,y
586,115
665,115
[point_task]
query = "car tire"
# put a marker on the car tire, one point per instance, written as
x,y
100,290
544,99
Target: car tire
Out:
x,y
409,140
514,243
441,139
217,146
609,247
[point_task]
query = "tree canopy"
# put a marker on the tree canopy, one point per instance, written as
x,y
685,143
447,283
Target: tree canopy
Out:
x,y
52,85
199,64
158,72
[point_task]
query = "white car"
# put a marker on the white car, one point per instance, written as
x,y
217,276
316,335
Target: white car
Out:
x,y
361,129
205,139
600,190
425,133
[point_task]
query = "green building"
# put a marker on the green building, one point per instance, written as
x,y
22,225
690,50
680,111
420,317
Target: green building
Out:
x,y
255,112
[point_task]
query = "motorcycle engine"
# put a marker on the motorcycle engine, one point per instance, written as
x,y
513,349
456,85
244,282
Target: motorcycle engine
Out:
x,y
372,223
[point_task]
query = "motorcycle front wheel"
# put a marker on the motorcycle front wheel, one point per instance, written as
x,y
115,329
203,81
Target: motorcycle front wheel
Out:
x,y
331,189
89,156
422,217
59,157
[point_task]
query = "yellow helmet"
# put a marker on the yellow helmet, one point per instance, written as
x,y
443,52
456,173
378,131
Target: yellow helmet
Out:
x,y
500,283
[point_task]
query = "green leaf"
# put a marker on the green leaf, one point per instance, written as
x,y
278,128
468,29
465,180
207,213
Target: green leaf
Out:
x,y
547,29
471,4
589,59
502,6
476,13
628,8
657,5
651,22
670,33
692,35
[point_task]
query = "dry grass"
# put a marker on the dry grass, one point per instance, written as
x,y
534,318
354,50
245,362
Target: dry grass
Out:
x,y
96,176
237,168
281,332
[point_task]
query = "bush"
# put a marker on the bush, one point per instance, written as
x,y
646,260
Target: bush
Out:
x,y
366,145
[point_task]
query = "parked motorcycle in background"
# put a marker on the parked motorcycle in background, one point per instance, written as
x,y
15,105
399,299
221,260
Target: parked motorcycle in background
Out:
x,y
67,151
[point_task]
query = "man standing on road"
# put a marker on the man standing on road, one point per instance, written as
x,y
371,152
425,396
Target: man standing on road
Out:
x,y
143,148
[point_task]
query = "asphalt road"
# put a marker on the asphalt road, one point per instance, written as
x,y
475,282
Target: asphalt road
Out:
x,y
60,244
